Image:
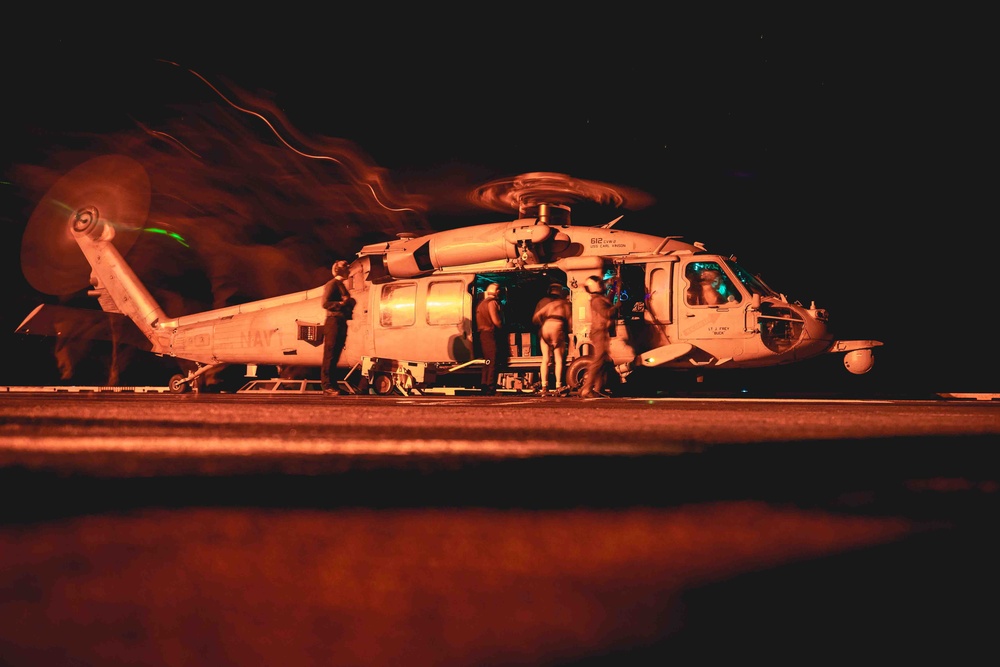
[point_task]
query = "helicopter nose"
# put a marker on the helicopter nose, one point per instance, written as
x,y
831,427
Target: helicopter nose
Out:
x,y
816,336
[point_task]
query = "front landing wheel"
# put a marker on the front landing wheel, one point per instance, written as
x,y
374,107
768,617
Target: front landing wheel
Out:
x,y
575,373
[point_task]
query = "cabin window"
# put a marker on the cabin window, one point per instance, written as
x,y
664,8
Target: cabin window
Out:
x,y
445,302
398,305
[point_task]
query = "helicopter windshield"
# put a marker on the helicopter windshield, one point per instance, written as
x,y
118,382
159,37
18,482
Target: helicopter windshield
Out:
x,y
753,283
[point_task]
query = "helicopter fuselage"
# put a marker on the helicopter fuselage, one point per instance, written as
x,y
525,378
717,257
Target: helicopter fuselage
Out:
x,y
679,307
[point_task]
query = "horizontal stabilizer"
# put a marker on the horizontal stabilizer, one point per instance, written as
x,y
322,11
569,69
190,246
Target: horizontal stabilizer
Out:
x,y
66,321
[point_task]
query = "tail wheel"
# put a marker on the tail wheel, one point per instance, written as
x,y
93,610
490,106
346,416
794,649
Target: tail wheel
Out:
x,y
177,385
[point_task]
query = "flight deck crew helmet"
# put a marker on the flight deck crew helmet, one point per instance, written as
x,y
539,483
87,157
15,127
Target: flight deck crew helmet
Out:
x,y
556,289
594,285
493,290
340,268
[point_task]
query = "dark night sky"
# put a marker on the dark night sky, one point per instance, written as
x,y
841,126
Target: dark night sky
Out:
x,y
846,164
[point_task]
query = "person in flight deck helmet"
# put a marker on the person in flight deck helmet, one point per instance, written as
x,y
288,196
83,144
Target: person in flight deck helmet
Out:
x,y
709,281
489,324
339,307
708,287
551,316
601,312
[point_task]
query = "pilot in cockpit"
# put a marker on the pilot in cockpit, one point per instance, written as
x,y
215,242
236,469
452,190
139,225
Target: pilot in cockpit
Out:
x,y
708,287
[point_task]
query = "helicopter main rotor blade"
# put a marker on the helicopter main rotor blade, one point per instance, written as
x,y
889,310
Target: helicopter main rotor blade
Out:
x,y
545,193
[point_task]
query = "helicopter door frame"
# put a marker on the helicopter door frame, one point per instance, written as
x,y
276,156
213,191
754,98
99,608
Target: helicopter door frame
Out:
x,y
660,291
522,289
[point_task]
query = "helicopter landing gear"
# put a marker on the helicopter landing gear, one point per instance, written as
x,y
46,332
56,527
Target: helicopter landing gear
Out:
x,y
179,384
192,381
577,371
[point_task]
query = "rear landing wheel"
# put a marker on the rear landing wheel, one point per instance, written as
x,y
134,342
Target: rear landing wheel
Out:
x,y
177,385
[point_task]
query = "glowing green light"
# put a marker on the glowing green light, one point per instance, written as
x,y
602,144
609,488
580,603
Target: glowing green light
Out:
x,y
174,235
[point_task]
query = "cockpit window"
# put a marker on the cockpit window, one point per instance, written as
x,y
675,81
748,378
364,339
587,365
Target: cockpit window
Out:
x,y
753,284
708,285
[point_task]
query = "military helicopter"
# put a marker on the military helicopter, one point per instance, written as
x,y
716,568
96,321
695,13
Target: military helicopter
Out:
x,y
681,307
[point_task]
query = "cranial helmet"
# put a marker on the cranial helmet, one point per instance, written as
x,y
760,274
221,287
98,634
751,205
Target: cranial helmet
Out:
x,y
492,289
340,267
556,288
594,285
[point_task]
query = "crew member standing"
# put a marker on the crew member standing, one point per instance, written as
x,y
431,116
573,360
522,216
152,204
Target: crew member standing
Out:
x,y
601,312
339,307
551,316
489,324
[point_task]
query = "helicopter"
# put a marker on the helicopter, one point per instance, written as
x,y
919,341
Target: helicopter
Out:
x,y
680,308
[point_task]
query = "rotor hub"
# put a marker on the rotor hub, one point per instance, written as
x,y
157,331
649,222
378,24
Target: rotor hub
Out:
x,y
85,219
549,196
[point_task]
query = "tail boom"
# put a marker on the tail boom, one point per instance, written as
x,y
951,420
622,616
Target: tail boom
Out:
x,y
116,286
